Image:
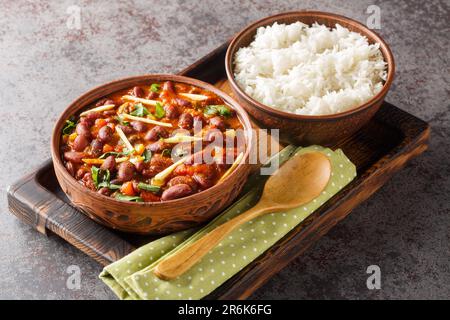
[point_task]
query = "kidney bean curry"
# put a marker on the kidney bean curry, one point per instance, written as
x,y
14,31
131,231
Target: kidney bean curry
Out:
x,y
126,145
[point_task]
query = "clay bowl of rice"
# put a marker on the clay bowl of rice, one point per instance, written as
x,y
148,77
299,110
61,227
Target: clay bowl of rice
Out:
x,y
318,77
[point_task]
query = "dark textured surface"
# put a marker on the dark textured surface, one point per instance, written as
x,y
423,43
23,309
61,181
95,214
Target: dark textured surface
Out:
x,y
404,228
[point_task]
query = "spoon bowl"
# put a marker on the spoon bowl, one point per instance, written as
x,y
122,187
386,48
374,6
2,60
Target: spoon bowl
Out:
x,y
300,179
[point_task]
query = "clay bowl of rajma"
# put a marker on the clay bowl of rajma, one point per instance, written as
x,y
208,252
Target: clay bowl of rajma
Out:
x,y
146,190
306,129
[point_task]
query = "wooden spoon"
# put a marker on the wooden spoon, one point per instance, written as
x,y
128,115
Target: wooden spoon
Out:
x,y
297,182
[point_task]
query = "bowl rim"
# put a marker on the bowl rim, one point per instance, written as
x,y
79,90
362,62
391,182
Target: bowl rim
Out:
x,y
56,134
384,47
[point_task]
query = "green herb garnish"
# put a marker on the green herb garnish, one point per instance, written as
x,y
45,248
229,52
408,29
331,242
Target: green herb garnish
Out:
x,y
122,121
123,197
114,186
70,125
105,179
102,179
155,87
149,187
113,153
217,109
159,111
95,173
147,156
102,185
140,110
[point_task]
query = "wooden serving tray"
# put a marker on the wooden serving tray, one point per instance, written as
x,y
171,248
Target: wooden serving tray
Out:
x,y
381,148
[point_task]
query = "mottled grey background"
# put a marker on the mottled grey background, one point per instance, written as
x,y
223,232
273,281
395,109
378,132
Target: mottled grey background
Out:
x,y
404,228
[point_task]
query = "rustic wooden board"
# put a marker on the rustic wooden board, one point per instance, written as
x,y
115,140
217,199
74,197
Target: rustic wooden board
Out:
x,y
380,149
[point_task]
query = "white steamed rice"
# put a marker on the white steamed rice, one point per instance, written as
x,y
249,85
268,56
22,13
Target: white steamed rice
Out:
x,y
310,70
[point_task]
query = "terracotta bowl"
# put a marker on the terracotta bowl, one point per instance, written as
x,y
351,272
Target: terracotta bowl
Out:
x,y
304,129
156,217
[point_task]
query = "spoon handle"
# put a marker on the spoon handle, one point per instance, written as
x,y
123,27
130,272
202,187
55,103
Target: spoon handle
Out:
x,y
181,261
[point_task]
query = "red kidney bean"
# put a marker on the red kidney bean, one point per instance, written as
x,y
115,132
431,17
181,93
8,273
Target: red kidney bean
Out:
x,y
213,135
155,133
75,157
151,135
138,126
158,146
104,191
83,130
140,166
86,121
93,116
104,102
109,164
135,185
176,192
96,148
126,171
126,129
116,181
101,102
217,122
90,118
80,143
204,175
150,172
172,111
183,103
105,134
70,168
138,92
168,86
203,180
109,101
186,121
183,180
199,121
88,181
109,113
152,95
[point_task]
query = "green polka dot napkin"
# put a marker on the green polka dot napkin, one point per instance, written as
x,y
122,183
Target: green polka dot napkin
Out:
x,y
132,276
